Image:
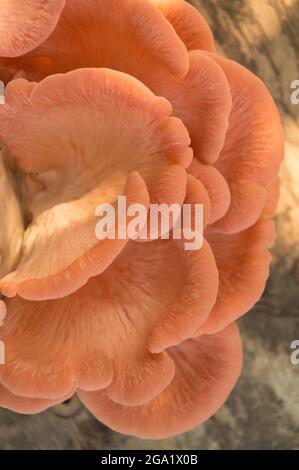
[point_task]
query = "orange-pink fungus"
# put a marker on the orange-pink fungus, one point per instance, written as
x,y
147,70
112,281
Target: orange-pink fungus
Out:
x,y
128,98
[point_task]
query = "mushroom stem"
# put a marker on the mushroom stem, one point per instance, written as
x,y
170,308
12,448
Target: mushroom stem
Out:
x,y
12,226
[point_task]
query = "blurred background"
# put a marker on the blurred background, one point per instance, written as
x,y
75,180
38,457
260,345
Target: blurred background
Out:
x,y
263,410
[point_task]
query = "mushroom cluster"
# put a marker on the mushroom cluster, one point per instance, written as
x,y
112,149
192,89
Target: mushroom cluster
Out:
x,y
128,97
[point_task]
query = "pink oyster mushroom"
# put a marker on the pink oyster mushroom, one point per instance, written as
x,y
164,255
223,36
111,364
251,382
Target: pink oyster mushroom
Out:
x,y
128,97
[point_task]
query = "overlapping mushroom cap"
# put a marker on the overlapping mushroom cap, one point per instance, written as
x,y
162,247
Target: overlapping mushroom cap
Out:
x,y
128,97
